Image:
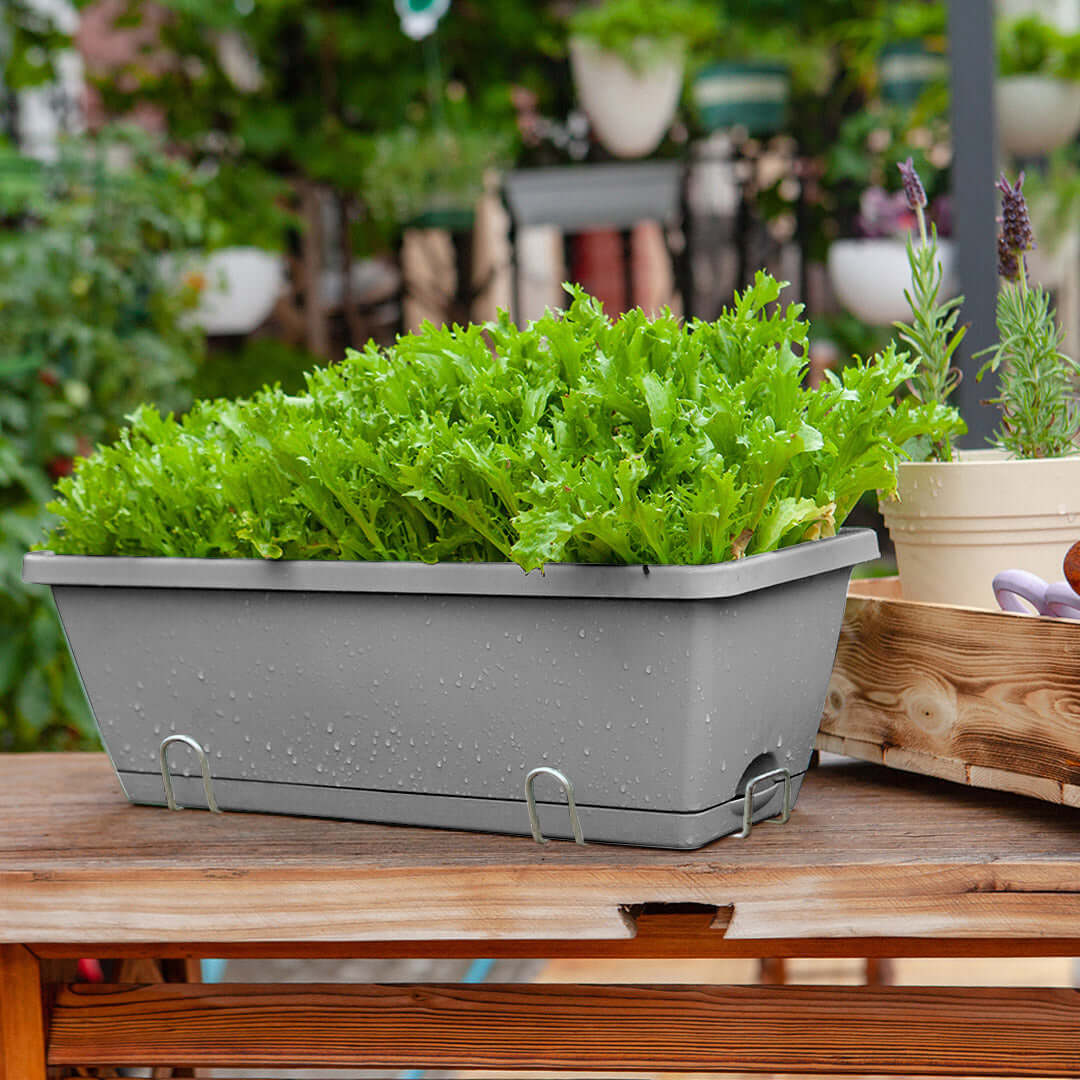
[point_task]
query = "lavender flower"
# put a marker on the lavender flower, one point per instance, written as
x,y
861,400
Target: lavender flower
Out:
x,y
1008,260
913,186
1015,220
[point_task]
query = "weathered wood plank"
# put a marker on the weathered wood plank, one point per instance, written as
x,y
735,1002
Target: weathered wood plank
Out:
x,y
977,697
972,915
75,854
22,1016
952,769
844,1030
182,907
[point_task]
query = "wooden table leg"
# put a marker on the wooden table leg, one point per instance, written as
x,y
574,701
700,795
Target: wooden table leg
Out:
x,y
22,1015
772,971
879,971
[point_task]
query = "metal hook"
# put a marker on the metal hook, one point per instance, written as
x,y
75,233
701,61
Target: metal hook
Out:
x,y
530,799
748,800
204,765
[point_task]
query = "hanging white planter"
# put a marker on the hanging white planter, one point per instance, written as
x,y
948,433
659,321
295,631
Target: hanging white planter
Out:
x,y
630,110
240,286
1036,113
869,277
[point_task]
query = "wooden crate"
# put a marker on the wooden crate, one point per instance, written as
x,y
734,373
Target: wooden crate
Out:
x,y
980,697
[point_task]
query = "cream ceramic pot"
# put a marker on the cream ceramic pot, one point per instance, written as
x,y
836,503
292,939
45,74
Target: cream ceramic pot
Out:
x,y
630,111
957,524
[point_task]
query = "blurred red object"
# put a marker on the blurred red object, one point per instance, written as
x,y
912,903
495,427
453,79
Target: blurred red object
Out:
x,y
90,971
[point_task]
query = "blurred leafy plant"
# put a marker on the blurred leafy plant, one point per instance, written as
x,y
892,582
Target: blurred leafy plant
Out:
x,y
259,362
412,173
1030,46
867,153
247,205
88,331
644,31
300,87
1053,194
30,38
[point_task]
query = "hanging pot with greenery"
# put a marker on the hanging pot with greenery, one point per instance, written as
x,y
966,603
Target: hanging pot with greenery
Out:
x,y
627,59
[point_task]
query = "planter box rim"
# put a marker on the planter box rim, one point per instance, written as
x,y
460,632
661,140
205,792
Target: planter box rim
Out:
x,y
700,582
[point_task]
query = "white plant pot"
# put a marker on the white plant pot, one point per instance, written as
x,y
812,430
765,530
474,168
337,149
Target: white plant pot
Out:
x,y
869,278
241,286
957,524
630,111
1036,113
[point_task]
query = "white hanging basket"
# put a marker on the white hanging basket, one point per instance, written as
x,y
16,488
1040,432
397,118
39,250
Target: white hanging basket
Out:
x,y
869,277
240,286
1036,113
629,110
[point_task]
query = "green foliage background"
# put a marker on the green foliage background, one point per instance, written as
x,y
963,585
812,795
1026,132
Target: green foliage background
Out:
x,y
88,331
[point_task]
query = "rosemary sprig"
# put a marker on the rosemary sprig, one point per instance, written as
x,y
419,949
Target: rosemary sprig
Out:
x,y
1038,382
933,334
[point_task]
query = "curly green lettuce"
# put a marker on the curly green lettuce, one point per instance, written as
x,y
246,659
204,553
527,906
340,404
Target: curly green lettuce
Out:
x,y
575,439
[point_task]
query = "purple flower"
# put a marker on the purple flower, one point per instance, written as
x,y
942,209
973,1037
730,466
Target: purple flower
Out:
x,y
914,191
1015,220
1008,260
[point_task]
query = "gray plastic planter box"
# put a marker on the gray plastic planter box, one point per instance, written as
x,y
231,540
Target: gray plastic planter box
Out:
x,y
424,695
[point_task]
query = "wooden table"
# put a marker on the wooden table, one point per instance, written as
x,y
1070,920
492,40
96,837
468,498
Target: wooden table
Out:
x,y
872,863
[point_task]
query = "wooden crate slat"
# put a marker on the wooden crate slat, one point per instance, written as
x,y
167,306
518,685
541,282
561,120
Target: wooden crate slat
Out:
x,y
977,697
844,1030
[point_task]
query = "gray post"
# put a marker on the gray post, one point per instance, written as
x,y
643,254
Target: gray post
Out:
x,y
974,204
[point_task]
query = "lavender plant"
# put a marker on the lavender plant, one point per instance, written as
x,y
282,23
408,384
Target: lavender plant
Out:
x,y
933,334
1038,382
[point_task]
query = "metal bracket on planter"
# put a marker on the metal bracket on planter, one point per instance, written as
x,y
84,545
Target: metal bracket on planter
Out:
x,y
748,800
530,799
204,766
